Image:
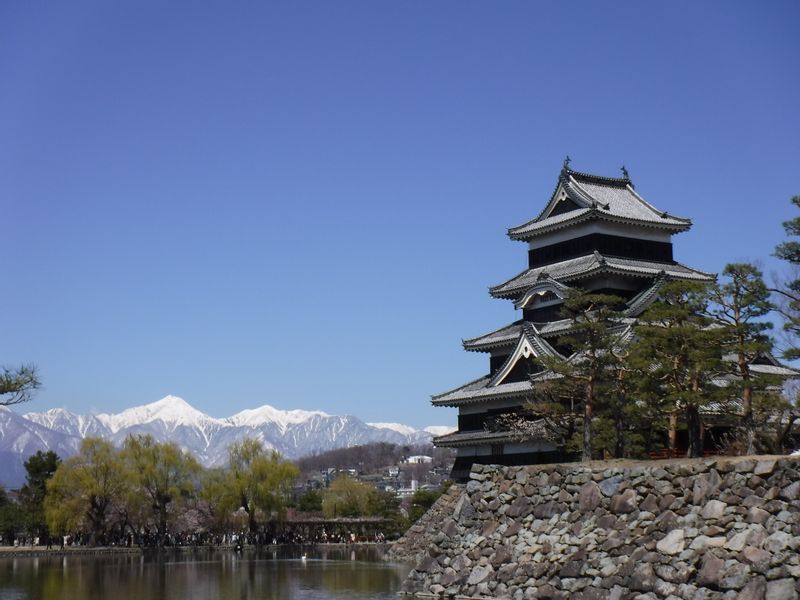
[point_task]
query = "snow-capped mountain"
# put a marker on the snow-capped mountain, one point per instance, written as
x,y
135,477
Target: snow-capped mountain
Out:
x,y
293,433
268,414
172,410
21,437
398,427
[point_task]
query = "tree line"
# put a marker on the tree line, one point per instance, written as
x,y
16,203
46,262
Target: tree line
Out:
x,y
629,386
146,492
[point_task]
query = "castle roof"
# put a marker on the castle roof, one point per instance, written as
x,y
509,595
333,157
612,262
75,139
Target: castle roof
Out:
x,y
594,264
581,197
529,343
507,335
479,390
471,438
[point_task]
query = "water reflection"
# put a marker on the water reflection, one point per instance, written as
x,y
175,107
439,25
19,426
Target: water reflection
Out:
x,y
326,574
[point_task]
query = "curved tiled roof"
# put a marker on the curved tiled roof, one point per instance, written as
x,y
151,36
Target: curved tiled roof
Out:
x,y
478,390
583,266
639,303
507,335
606,198
470,438
491,386
542,287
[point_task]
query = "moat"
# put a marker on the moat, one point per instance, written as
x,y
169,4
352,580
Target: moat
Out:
x,y
327,573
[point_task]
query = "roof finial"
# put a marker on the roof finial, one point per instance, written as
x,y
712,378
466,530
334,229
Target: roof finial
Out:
x,y
567,161
625,173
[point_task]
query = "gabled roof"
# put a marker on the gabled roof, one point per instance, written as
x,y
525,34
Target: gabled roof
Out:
x,y
530,344
584,266
597,197
545,285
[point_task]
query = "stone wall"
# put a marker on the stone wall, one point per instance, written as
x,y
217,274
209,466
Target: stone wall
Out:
x,y
695,529
413,545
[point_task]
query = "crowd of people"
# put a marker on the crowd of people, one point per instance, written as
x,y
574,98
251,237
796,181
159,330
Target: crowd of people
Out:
x,y
285,535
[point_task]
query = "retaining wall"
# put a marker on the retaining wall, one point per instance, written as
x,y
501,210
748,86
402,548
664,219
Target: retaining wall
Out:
x,y
694,529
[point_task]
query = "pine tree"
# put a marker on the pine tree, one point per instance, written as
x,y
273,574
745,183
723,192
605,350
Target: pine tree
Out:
x,y
789,292
39,468
737,306
18,384
676,355
593,337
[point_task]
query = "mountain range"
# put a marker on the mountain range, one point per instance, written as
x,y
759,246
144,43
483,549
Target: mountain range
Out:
x,y
293,433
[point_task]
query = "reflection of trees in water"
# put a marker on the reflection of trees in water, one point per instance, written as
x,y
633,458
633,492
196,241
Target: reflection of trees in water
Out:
x,y
204,575
357,577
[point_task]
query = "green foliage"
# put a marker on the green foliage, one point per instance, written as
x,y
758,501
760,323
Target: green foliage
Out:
x,y
738,306
40,468
18,384
12,518
213,492
594,339
347,497
310,501
86,488
789,292
383,504
676,356
161,476
775,415
421,501
256,481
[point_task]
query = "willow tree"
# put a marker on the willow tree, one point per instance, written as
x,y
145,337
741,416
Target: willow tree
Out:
x,y
256,481
676,355
85,489
348,497
162,476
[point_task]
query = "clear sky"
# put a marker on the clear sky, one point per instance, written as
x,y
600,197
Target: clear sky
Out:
x,y
304,203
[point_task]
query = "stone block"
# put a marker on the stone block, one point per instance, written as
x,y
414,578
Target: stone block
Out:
x,y
756,589
479,574
713,509
673,543
755,555
757,515
734,575
710,571
782,589
791,491
589,497
624,502
704,486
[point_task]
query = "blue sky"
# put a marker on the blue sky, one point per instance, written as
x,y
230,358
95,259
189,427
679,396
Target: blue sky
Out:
x,y
304,203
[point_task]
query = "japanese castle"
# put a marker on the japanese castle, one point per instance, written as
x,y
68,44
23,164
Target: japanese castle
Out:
x,y
596,233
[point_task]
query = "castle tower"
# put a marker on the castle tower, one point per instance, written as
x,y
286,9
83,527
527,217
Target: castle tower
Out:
x,y
595,233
